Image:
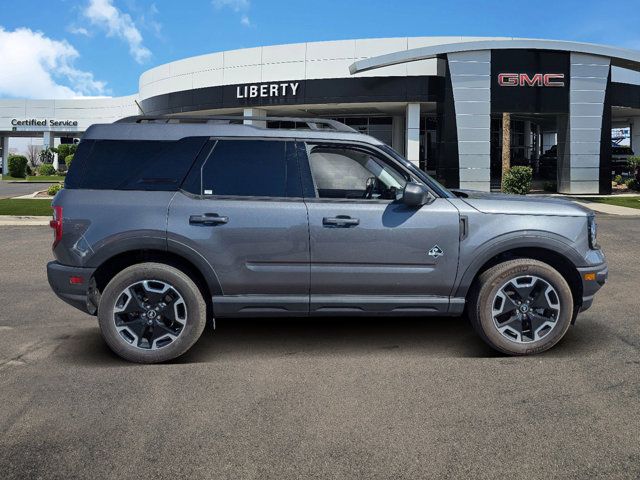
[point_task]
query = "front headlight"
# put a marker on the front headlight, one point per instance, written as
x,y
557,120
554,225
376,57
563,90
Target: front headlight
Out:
x,y
593,232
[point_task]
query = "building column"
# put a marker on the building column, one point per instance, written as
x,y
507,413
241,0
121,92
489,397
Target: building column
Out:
x,y
5,155
412,133
255,112
579,172
471,84
397,135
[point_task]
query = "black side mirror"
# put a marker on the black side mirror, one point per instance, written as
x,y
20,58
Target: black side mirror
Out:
x,y
416,195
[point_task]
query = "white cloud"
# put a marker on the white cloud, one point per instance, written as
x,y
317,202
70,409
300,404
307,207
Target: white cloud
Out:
x,y
238,6
104,14
78,30
35,66
235,5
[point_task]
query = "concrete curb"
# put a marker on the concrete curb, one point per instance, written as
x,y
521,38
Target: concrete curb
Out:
x,y
16,220
33,196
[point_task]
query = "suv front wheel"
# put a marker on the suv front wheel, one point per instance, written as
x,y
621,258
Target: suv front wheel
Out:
x,y
151,312
521,306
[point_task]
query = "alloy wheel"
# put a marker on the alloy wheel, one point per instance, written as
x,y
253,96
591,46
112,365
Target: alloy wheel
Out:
x,y
526,309
150,314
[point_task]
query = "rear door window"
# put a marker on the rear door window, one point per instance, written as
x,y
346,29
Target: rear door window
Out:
x,y
248,168
133,164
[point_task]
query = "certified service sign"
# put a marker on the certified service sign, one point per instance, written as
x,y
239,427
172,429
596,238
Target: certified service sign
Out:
x,y
36,122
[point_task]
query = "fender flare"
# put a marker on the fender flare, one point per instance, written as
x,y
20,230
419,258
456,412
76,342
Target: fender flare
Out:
x,y
552,242
200,262
154,240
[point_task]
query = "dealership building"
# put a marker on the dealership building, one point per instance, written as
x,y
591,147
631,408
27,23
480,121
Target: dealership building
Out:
x,y
438,100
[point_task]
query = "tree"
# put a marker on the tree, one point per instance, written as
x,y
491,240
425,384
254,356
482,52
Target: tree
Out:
x,y
64,150
46,156
506,145
33,155
634,165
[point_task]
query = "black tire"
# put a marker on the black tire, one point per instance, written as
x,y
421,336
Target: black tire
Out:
x,y
195,312
483,296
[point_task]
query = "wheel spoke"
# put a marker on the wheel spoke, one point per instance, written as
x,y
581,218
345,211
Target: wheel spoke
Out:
x,y
538,320
528,292
526,329
507,319
154,290
512,292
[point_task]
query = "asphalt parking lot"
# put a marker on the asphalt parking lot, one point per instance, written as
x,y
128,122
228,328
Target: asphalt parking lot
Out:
x,y
14,189
339,398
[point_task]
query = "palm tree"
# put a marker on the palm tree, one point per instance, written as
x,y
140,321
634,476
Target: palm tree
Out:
x,y
506,145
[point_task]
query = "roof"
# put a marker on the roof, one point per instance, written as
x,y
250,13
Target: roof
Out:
x,y
177,131
620,57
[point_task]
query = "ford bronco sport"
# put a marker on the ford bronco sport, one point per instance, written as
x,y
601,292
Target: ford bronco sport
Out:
x,y
166,223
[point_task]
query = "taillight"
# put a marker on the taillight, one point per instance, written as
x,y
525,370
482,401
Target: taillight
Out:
x,y
56,224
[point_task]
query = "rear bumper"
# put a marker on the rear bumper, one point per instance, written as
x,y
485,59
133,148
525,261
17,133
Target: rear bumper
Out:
x,y
590,287
74,294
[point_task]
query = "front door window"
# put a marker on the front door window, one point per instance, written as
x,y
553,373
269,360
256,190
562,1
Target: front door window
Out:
x,y
351,173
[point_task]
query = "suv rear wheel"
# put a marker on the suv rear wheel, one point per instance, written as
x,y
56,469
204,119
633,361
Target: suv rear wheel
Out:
x,y
521,306
151,312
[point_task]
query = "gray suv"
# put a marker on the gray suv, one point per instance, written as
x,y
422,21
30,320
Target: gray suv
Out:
x,y
165,224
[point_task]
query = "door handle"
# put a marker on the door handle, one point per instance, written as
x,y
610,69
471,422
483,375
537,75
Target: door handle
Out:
x,y
344,221
208,219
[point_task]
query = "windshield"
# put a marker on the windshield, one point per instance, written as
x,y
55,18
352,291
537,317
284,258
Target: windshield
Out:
x,y
440,190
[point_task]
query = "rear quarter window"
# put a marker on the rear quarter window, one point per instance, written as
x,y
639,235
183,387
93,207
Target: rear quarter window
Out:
x,y
133,164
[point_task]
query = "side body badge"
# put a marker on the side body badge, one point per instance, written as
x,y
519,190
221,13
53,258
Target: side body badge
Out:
x,y
436,251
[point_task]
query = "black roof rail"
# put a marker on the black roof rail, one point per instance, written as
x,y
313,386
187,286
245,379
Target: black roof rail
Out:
x,y
312,123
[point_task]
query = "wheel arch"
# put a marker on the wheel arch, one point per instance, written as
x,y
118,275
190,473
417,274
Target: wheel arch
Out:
x,y
556,259
197,269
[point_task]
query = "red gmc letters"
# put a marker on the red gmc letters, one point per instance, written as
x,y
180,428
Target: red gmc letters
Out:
x,y
536,80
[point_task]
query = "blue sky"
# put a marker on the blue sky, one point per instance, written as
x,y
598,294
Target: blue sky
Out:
x,y
65,48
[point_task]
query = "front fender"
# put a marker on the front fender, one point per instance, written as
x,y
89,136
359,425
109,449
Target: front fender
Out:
x,y
510,241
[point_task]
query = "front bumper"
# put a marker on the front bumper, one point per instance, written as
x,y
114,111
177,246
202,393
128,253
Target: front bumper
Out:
x,y
74,294
590,287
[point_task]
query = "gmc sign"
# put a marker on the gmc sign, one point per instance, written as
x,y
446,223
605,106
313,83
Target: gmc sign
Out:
x,y
537,80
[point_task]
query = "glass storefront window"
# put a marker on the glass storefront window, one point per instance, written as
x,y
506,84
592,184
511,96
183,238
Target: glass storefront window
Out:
x,y
378,127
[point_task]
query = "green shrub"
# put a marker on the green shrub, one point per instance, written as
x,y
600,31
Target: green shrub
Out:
x,y
517,180
46,169
633,163
53,189
617,179
66,149
68,159
17,166
632,184
29,171
550,187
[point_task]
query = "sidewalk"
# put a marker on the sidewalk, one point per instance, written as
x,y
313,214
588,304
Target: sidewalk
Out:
x,y
608,209
595,206
14,220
